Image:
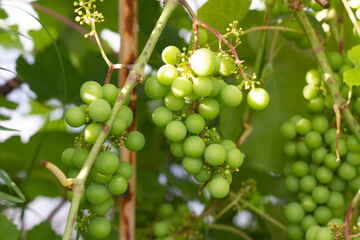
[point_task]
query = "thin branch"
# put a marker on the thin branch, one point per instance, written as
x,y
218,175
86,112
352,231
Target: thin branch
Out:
x,y
230,229
66,182
248,130
338,124
203,186
323,3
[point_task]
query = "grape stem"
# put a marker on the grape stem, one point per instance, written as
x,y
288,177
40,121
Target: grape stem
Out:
x,y
230,229
133,79
66,182
197,22
203,186
338,124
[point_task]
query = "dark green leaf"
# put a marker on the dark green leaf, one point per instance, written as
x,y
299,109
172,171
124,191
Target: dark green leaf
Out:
x,y
42,231
8,230
7,129
352,77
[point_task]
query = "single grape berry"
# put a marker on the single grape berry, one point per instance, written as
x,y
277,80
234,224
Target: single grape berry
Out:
x,y
215,154
75,117
231,95
117,185
92,131
234,158
313,77
106,162
99,227
171,55
192,165
173,103
194,146
99,110
79,157
154,89
203,62
202,86
162,116
66,157
102,209
209,108
258,98
203,36
227,66
119,125
294,212
195,123
90,91
110,93
167,74
175,131
97,193
288,130
181,87
126,113
125,170
219,187
203,175
135,141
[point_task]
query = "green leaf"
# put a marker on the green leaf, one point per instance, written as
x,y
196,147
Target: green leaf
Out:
x,y
354,55
8,230
7,129
6,103
7,197
11,184
42,231
352,77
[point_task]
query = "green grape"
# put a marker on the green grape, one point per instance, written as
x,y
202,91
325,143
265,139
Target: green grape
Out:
x,y
330,161
317,105
337,184
228,144
167,74
308,204
302,149
345,91
106,162
292,184
311,232
352,144
336,221
195,123
234,158
324,233
173,103
294,232
310,92
341,147
344,68
335,60
209,108
227,66
330,136
288,130
336,200
99,227
126,113
202,36
177,149
320,194
202,86
314,77
219,187
313,139
346,171
75,117
166,210
294,212
303,43
355,183
324,175
97,193
66,157
161,229
117,185
110,93
79,157
192,165
119,125
216,87
181,87
162,116
258,98
231,96
303,126
98,177
102,209
318,155
194,146
135,141
307,222
125,170
90,91
215,154
175,131
293,24
203,175
203,62
290,149
313,168
320,124
322,215
171,55
99,110
307,183
154,89
191,97
300,168
353,158
92,132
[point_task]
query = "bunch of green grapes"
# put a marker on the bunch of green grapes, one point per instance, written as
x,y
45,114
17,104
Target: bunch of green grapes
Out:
x,y
193,90
321,184
108,176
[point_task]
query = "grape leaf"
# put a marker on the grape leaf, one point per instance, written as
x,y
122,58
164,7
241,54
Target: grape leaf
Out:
x,y
352,77
42,231
8,230
7,129
354,55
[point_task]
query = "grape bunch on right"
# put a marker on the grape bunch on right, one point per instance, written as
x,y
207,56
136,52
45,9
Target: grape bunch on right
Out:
x,y
321,186
193,88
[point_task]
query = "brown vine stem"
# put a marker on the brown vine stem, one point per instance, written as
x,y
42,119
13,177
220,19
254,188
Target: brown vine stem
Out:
x,y
216,33
203,186
323,3
230,229
336,95
351,16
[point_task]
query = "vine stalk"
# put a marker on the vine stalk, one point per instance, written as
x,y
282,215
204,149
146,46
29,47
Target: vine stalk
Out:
x,y
133,79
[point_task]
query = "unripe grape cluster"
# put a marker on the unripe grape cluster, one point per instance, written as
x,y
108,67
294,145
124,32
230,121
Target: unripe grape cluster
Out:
x,y
193,90
108,176
322,186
